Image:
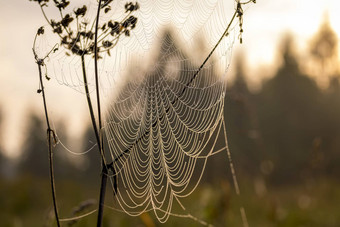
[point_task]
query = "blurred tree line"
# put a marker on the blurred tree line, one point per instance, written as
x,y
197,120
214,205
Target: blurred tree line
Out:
x,y
34,159
290,130
287,131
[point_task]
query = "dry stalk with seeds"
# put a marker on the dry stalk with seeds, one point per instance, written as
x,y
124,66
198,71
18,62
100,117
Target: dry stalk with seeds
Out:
x,y
83,38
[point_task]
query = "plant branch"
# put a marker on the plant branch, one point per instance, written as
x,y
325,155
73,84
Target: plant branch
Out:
x,y
89,102
50,134
104,167
95,129
106,33
44,14
96,68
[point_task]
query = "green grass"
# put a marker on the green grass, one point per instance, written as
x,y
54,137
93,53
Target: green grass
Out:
x,y
26,201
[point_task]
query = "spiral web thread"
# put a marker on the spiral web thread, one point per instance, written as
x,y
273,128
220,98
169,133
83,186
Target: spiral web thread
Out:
x,y
161,109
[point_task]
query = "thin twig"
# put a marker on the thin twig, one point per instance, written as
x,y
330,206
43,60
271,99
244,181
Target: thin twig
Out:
x,y
50,134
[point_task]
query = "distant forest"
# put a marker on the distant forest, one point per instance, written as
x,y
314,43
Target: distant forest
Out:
x,y
287,131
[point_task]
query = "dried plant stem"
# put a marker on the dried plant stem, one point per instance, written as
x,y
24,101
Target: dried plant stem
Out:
x,y
95,129
89,102
50,134
102,196
96,68
104,167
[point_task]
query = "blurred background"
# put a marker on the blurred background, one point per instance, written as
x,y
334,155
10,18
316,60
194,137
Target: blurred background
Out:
x,y
282,111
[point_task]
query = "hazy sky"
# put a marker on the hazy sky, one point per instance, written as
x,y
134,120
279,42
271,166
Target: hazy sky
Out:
x,y
264,24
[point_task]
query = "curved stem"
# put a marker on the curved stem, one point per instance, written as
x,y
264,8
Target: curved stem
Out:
x,y
50,134
44,14
46,18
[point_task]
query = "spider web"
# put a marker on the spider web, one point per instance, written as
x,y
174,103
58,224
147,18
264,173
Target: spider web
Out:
x,y
158,129
159,123
161,108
